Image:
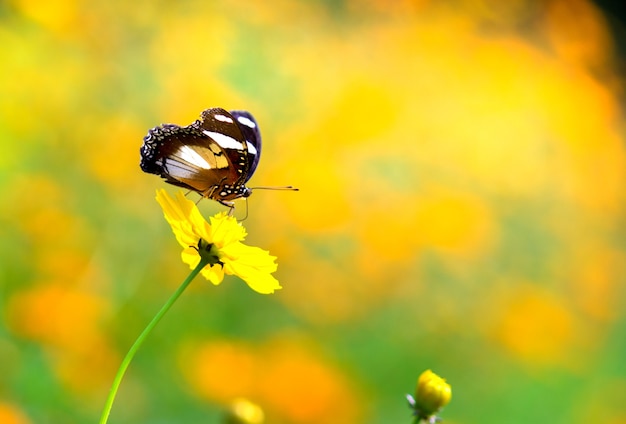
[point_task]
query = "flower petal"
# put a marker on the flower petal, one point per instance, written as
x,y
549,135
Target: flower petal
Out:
x,y
213,273
262,283
226,230
253,265
178,214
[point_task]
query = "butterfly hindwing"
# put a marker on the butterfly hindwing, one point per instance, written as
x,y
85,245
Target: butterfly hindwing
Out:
x,y
185,157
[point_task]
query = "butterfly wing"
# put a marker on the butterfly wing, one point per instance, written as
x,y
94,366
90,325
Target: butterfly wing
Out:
x,y
222,127
250,129
214,156
186,157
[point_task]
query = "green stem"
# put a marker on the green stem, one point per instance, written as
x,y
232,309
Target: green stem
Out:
x,y
142,337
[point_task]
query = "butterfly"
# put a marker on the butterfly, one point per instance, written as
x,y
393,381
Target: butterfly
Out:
x,y
215,156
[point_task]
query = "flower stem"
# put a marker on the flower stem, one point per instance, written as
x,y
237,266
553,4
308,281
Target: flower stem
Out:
x,y
142,337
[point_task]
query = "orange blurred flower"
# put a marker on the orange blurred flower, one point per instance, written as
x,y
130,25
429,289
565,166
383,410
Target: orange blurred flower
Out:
x,y
541,328
292,383
65,322
10,414
218,242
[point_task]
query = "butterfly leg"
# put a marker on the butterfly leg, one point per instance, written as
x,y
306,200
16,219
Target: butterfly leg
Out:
x,y
230,205
197,201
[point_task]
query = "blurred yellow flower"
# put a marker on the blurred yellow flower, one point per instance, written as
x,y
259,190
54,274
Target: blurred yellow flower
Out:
x,y
242,411
431,394
219,243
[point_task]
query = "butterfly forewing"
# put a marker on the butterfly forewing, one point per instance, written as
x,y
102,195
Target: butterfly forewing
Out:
x,y
222,127
250,129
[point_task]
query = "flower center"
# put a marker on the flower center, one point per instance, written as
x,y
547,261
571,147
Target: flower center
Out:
x,y
209,252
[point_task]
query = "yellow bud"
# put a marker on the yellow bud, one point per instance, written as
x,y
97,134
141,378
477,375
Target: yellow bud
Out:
x,y
431,394
242,411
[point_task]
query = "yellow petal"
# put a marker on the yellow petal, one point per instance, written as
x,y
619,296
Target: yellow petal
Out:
x,y
191,257
174,209
262,283
253,265
177,215
225,230
215,273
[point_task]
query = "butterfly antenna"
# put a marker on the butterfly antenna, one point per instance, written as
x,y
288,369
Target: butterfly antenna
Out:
x,y
289,188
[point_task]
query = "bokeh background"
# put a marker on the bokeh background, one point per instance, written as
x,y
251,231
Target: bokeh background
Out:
x,y
462,172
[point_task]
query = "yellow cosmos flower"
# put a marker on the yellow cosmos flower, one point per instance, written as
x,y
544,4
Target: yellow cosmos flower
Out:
x,y
219,243
431,394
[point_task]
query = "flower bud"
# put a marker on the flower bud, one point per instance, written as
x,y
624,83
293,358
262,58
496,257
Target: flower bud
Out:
x,y
431,394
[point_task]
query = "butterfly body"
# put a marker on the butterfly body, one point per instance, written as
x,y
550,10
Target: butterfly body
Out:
x,y
214,156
